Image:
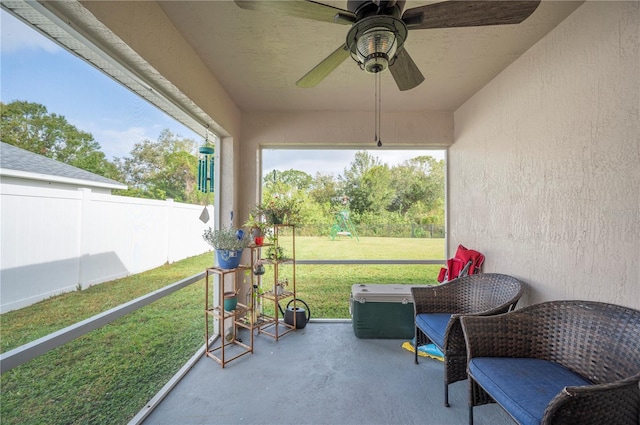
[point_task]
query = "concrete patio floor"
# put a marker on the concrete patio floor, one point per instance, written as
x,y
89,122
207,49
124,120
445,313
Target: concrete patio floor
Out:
x,y
322,374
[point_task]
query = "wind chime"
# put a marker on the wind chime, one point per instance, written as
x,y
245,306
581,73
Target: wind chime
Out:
x,y
206,168
206,173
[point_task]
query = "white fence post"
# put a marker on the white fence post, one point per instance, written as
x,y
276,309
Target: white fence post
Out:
x,y
169,225
83,234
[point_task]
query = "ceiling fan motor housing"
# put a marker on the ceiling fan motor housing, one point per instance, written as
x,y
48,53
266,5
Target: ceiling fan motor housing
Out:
x,y
364,8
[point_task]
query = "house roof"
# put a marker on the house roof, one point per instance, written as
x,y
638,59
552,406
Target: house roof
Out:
x,y
16,162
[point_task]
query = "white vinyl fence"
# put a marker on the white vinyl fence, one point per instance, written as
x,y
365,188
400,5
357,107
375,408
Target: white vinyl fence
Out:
x,y
56,240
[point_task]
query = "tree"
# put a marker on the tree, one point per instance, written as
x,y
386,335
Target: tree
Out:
x,y
419,190
375,193
362,162
31,127
324,189
367,183
291,178
162,169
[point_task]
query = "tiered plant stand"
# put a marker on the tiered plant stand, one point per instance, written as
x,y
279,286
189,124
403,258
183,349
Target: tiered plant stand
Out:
x,y
215,311
272,325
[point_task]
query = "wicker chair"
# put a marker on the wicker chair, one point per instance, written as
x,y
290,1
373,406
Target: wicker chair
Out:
x,y
437,311
593,342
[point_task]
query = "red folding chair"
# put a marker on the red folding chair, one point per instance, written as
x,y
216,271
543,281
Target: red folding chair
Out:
x,y
465,262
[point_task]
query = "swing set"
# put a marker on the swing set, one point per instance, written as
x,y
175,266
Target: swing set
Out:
x,y
342,225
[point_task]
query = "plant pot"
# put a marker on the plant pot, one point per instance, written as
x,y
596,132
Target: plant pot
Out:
x,y
276,219
259,240
230,301
258,270
228,259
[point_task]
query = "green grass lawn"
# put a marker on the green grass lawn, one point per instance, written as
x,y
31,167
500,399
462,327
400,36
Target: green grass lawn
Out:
x,y
107,376
344,248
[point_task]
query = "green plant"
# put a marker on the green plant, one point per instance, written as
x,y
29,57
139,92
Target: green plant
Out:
x,y
226,238
279,209
258,267
254,222
275,253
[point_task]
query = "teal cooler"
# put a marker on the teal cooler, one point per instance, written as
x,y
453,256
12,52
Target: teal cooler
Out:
x,y
382,311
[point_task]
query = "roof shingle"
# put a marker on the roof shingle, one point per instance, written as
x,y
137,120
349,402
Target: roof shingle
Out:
x,y
14,158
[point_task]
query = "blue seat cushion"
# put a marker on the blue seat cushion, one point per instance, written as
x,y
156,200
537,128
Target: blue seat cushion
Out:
x,y
523,387
434,325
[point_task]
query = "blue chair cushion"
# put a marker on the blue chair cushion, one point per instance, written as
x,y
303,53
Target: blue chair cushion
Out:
x,y
434,326
523,387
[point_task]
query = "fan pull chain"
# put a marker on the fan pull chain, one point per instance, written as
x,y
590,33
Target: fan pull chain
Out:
x,y
377,110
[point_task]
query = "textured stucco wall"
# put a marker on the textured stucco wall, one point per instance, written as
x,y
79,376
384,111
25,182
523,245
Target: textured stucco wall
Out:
x,y
544,174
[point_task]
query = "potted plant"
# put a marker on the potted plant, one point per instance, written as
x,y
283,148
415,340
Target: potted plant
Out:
x,y
257,228
279,209
258,267
276,253
228,243
281,285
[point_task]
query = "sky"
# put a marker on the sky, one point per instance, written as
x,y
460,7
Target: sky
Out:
x,y
35,69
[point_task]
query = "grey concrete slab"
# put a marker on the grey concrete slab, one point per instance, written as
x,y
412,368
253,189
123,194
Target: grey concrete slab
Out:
x,y
322,374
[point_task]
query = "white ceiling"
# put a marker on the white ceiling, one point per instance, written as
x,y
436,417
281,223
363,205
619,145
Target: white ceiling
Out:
x,y
258,57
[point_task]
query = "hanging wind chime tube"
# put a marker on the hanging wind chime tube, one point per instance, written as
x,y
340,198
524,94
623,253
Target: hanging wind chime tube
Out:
x,y
206,169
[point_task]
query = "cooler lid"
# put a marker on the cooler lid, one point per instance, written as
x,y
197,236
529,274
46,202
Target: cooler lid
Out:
x,y
382,293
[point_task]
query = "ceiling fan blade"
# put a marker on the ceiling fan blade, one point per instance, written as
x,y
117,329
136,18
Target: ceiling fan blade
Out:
x,y
468,13
324,68
306,9
405,72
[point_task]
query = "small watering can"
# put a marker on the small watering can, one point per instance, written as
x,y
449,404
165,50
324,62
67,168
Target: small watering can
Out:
x,y
301,315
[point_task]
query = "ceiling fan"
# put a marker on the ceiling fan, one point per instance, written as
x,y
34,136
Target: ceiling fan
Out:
x,y
379,29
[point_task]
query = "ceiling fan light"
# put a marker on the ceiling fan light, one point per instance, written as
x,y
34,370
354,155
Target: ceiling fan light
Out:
x,y
375,48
